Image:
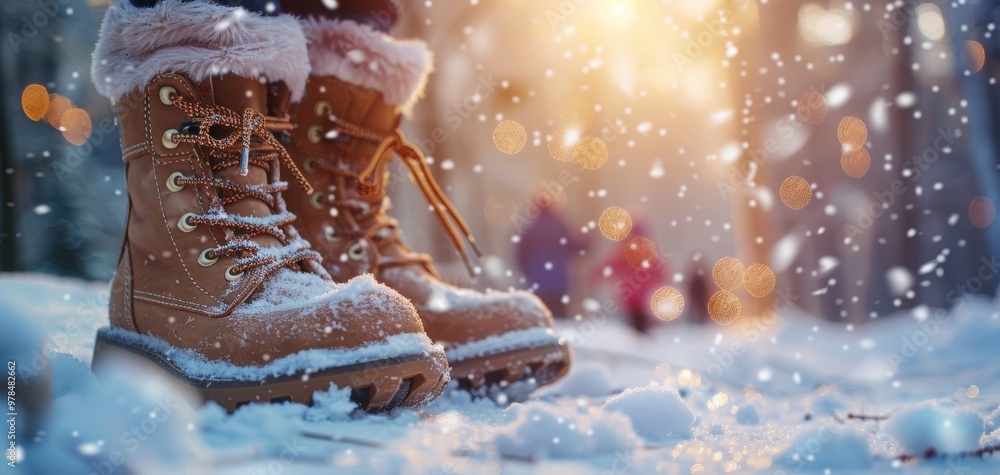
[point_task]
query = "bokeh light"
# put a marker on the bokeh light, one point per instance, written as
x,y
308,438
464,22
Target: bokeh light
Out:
x,y
500,209
35,102
982,211
852,133
728,273
977,54
667,303
615,223
640,252
830,27
76,126
58,105
592,153
812,108
930,22
509,136
759,280
576,115
972,392
795,192
563,145
856,162
724,307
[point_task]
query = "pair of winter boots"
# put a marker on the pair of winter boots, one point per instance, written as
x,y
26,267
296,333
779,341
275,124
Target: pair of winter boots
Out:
x,y
250,286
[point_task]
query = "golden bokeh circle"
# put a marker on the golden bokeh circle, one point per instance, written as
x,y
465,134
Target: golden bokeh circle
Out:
x,y
852,133
667,303
76,126
559,149
640,252
977,54
35,101
759,280
724,307
576,114
728,273
615,223
58,105
510,137
500,209
812,108
982,211
795,192
856,162
592,153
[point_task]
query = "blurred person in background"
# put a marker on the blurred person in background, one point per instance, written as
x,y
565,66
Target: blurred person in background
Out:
x,y
544,254
697,290
634,282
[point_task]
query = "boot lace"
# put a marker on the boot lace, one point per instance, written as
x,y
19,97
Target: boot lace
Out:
x,y
392,144
244,128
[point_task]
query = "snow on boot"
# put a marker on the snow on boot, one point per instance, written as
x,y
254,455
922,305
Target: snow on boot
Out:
x,y
214,286
346,133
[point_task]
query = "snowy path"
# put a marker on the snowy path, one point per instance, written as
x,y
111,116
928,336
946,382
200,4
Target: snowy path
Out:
x,y
764,397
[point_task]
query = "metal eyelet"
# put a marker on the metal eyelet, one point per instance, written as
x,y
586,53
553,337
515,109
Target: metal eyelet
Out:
x,y
357,251
165,93
308,164
232,276
329,235
168,139
172,184
206,261
323,109
315,134
314,200
184,223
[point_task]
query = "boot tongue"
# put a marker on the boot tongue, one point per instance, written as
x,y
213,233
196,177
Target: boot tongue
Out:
x,y
367,108
238,94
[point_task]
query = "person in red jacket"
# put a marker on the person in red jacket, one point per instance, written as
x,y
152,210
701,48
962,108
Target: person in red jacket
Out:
x,y
635,282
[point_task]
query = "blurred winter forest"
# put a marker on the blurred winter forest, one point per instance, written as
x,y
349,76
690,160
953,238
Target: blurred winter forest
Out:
x,y
700,107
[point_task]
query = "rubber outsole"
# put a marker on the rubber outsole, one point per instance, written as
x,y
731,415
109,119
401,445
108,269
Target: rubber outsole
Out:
x,y
376,386
538,365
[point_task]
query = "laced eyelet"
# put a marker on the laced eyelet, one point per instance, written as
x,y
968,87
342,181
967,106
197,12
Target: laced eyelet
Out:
x,y
168,139
184,223
232,276
308,164
205,260
329,235
323,109
172,184
165,93
314,200
315,134
357,251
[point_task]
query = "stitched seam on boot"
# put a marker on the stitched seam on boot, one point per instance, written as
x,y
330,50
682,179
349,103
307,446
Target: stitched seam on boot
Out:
x,y
159,199
177,250
132,149
141,151
126,304
170,301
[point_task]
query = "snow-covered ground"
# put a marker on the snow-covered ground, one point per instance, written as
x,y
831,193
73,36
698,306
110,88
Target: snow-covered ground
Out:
x,y
911,393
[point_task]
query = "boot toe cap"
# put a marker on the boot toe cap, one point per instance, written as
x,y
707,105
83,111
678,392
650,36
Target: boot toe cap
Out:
x,y
325,316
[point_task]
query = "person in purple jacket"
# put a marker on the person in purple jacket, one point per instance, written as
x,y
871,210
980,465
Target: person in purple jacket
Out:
x,y
544,253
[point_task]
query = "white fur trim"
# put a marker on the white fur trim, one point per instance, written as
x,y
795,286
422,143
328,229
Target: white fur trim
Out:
x,y
199,39
364,57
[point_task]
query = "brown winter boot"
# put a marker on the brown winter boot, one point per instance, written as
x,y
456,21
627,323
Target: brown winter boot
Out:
x,y
346,132
214,286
